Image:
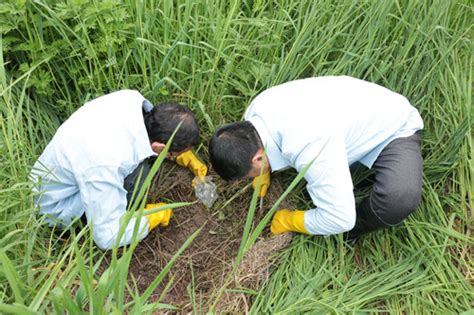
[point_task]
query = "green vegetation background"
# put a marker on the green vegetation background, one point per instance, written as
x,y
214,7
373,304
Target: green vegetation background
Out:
x,y
215,56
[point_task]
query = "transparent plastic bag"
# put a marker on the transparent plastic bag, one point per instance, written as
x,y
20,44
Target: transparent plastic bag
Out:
x,y
206,191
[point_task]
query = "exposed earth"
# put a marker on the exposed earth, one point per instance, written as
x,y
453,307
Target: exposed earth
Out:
x,y
211,256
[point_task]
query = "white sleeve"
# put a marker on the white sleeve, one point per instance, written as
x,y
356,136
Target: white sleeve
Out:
x,y
330,187
105,202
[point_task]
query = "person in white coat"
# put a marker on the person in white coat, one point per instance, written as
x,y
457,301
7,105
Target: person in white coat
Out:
x,y
333,122
91,165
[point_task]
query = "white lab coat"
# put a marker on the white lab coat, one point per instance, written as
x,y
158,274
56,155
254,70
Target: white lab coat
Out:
x,y
84,166
338,121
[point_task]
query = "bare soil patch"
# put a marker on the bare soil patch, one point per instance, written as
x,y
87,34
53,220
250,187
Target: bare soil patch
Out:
x,y
210,258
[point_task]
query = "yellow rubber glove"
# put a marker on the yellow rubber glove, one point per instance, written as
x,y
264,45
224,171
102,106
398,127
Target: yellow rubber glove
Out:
x,y
264,184
288,221
158,218
188,159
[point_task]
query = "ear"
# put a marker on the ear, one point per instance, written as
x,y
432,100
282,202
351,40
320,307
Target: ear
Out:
x,y
257,159
157,147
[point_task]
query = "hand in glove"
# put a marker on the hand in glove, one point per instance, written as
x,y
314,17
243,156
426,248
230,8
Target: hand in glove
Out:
x,y
264,184
288,221
188,159
158,218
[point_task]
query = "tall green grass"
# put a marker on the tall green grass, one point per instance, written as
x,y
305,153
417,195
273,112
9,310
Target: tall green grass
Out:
x,y
215,56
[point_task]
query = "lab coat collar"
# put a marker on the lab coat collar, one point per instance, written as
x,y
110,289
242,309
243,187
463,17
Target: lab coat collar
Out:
x,y
273,152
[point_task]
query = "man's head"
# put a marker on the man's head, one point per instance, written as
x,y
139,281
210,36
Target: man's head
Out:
x,y
161,122
236,151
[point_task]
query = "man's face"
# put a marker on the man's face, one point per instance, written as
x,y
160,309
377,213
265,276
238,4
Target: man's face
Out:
x,y
254,172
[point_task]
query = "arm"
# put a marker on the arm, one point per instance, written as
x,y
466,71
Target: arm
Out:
x,y
105,202
330,187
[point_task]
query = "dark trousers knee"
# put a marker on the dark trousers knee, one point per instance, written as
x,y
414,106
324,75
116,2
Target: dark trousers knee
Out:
x,y
394,206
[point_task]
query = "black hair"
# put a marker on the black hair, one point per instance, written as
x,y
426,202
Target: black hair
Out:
x,y
232,148
163,119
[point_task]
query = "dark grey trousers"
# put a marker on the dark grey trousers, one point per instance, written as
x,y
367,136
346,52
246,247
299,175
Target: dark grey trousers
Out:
x,y
397,188
140,172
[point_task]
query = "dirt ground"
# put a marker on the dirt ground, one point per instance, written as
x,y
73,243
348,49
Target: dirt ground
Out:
x,y
210,257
